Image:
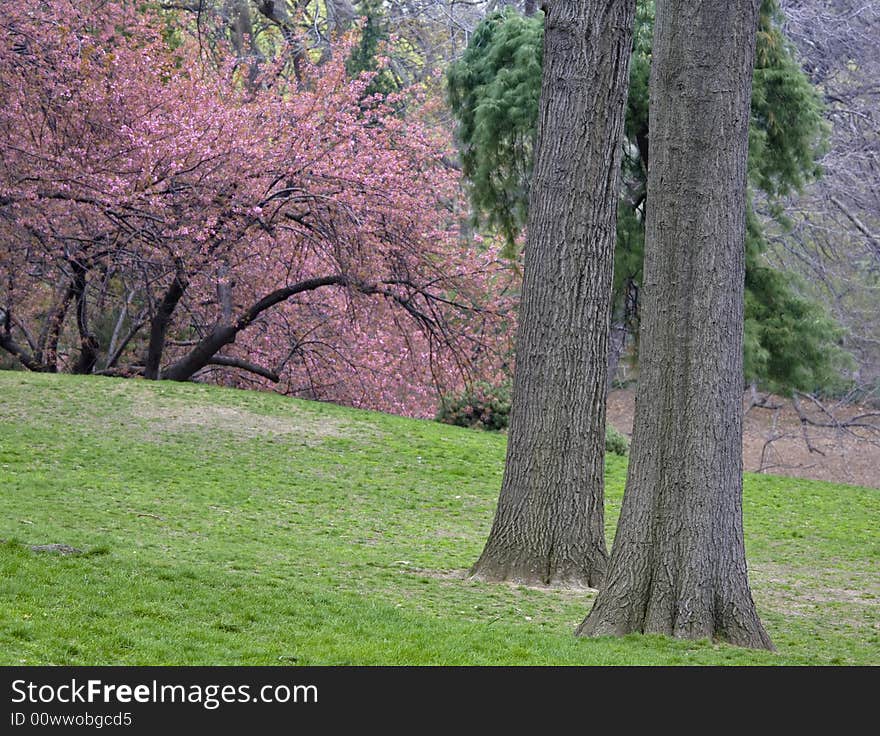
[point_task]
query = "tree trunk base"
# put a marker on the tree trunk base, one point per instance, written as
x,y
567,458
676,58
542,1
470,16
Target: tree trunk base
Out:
x,y
738,625
538,572
678,563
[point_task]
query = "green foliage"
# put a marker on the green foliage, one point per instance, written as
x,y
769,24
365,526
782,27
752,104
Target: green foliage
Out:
x,y
494,91
629,253
616,442
363,57
482,406
787,132
636,122
790,341
244,528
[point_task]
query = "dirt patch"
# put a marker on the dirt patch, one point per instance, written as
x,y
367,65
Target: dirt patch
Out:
x,y
803,592
776,442
58,549
462,575
175,416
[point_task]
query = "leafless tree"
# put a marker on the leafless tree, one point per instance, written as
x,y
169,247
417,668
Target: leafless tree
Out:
x,y
834,241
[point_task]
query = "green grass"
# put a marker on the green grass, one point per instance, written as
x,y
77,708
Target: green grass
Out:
x,y
228,527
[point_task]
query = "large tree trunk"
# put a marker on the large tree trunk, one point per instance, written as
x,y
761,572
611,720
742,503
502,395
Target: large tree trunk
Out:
x,y
678,564
549,526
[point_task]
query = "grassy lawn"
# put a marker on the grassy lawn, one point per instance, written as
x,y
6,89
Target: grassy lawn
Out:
x,y
230,527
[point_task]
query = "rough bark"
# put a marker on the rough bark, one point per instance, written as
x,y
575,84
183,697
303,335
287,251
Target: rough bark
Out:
x,y
549,525
678,563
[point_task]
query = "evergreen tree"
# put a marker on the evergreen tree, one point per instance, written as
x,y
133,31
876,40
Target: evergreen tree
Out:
x,y
493,90
363,57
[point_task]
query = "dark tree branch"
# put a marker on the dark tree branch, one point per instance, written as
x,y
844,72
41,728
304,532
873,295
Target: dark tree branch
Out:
x,y
831,420
47,354
88,342
225,333
245,366
32,343
860,226
117,353
13,348
162,319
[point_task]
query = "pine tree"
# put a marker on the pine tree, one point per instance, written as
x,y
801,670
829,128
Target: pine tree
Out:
x,y
363,57
494,91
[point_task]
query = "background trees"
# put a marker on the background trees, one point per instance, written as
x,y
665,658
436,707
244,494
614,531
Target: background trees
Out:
x,y
832,240
278,48
790,340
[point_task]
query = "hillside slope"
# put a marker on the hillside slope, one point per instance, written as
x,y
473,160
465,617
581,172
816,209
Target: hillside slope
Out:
x,y
230,527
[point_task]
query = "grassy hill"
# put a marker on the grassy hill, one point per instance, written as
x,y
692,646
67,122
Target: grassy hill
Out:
x,y
229,527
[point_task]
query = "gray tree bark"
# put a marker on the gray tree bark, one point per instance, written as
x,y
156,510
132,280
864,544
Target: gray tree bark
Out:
x,y
549,525
678,564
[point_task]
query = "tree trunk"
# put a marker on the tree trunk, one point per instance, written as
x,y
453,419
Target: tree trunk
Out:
x,y
89,346
47,352
616,345
161,321
340,15
549,525
624,322
8,344
200,356
678,563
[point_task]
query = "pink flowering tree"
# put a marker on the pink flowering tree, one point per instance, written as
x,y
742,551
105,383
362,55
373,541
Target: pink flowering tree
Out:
x,y
159,218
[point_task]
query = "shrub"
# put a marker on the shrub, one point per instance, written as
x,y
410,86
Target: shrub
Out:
x,y
616,442
482,406
486,406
